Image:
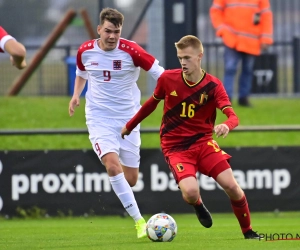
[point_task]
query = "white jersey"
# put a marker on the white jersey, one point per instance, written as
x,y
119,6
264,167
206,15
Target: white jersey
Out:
x,y
112,90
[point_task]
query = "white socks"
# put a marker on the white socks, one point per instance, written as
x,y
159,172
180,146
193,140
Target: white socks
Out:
x,y
125,194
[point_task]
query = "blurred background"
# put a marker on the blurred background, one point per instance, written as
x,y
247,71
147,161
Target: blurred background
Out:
x,y
155,25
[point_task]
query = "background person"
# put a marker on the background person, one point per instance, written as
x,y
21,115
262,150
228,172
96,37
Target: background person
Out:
x,y
246,29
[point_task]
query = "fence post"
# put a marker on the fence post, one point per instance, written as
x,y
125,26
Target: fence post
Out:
x,y
180,20
296,58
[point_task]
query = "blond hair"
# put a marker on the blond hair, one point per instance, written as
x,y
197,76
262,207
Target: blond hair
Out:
x,y
189,41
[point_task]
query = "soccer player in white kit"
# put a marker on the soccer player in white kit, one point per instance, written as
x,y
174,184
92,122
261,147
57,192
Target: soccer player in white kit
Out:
x,y
15,49
112,65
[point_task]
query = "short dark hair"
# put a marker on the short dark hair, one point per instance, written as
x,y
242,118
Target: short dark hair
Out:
x,y
189,41
111,15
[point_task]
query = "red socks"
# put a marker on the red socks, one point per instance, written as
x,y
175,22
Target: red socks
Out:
x,y
242,213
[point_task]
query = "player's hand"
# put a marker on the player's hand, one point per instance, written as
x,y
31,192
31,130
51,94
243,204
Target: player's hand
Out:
x,y
221,129
124,132
75,102
20,65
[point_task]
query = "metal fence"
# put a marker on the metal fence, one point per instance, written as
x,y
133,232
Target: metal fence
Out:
x,y
76,131
144,24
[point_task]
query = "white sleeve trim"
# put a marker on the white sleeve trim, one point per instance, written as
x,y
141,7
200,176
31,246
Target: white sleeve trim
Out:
x,y
82,74
4,40
155,71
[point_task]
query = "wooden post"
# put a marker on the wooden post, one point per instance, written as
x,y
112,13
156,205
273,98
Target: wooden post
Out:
x,y
42,52
88,24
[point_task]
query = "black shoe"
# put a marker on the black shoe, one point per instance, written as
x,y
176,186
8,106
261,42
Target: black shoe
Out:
x,y
244,101
203,215
250,234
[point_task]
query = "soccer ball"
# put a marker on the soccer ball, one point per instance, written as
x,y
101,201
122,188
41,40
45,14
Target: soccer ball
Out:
x,y
161,227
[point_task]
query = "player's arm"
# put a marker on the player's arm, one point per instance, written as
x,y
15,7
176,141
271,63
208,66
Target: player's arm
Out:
x,y
148,107
17,53
231,122
156,70
147,62
80,81
78,88
16,49
224,104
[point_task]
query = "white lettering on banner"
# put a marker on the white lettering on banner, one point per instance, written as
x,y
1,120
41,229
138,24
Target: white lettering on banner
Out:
x,y
173,185
96,179
67,185
160,181
35,179
282,179
79,179
264,76
20,185
259,178
276,180
52,183
1,203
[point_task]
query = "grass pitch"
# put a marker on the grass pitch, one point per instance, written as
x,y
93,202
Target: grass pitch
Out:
x,y
114,233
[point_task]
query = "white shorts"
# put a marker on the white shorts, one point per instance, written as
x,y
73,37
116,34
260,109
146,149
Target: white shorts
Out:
x,y
105,136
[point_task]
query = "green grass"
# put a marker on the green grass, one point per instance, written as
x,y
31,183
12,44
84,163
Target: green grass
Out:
x,y
52,112
114,233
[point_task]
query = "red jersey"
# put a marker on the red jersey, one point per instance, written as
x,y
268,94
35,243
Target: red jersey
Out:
x,y
189,109
3,33
4,37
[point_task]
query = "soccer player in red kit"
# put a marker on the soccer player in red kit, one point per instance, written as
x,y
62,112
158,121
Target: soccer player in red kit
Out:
x,y
191,97
15,49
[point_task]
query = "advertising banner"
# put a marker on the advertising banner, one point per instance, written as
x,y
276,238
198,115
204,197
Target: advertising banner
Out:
x,y
265,74
75,182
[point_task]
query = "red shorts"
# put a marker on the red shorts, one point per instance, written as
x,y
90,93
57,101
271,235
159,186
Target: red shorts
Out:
x,y
201,159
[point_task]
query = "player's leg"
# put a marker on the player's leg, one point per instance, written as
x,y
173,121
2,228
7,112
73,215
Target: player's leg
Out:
x,y
223,175
189,187
106,146
182,165
123,190
130,160
130,156
131,175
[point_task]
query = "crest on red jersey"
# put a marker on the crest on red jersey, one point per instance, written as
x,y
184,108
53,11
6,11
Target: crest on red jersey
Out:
x,y
203,98
117,64
180,167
